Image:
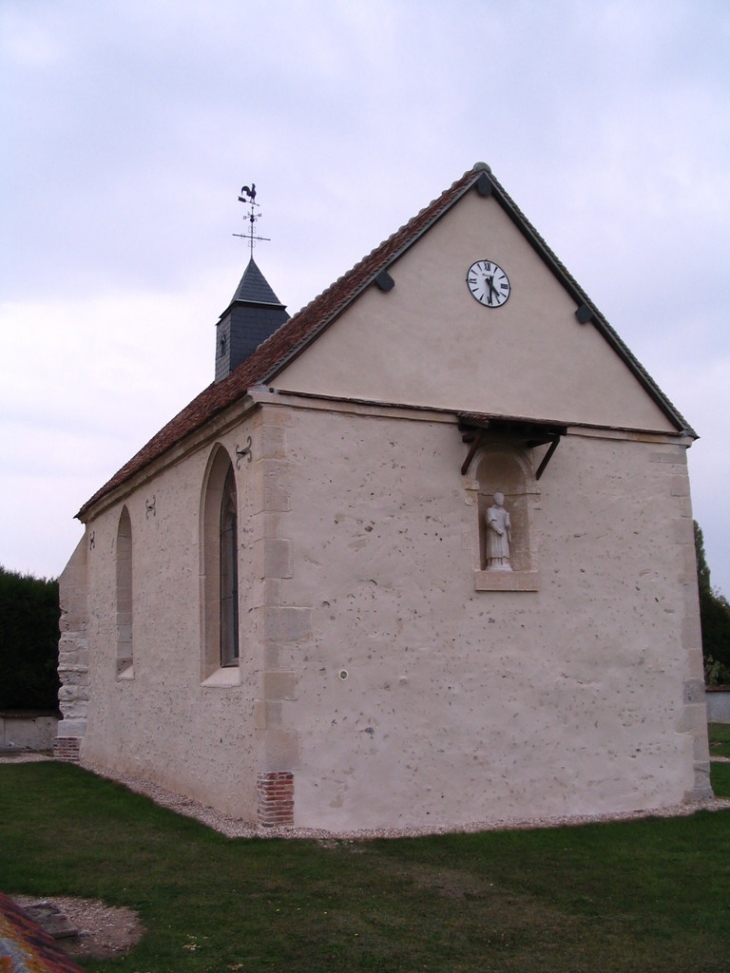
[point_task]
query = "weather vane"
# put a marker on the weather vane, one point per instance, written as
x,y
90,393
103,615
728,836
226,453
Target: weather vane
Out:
x,y
250,198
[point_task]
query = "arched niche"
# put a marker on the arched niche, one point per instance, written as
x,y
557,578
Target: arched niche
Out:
x,y
219,566
125,656
507,469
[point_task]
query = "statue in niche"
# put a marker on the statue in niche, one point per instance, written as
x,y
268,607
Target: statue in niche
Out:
x,y
499,535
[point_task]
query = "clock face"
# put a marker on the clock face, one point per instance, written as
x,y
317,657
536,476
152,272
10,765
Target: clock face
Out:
x,y
488,283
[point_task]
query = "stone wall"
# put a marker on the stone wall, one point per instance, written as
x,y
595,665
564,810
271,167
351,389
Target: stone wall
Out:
x,y
73,653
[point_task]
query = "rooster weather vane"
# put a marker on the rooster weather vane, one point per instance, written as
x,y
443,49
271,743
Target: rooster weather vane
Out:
x,y
248,195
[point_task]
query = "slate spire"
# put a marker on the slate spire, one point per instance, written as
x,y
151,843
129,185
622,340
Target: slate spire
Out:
x,y
254,314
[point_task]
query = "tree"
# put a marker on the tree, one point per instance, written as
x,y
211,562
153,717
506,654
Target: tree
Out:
x,y
29,616
715,620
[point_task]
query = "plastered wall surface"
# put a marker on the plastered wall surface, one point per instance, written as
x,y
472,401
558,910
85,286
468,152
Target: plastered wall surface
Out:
x,y
164,724
371,668
417,700
428,342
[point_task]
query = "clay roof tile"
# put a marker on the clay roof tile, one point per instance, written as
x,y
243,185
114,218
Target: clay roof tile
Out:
x,y
293,336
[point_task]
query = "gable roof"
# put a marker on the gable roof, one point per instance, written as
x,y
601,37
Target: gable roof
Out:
x,y
298,332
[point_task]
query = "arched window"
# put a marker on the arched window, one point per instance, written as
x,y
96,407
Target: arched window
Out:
x,y
124,597
229,572
219,567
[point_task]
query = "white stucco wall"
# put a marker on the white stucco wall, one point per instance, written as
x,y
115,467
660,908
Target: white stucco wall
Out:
x,y
165,724
358,544
583,697
428,342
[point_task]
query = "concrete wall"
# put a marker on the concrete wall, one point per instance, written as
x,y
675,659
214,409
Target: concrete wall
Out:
x,y
718,705
27,731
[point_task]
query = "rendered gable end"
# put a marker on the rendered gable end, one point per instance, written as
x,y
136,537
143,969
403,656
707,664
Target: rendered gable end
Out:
x,y
427,342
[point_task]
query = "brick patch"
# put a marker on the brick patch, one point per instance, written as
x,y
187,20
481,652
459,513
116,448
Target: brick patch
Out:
x,y
275,799
67,748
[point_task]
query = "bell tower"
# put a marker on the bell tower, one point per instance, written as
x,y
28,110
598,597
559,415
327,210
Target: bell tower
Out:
x,y
255,312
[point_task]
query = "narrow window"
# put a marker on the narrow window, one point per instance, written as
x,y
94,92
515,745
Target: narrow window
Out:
x,y
124,597
229,573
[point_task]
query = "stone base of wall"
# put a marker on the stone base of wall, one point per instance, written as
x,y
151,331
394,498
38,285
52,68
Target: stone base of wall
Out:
x,y
67,748
275,799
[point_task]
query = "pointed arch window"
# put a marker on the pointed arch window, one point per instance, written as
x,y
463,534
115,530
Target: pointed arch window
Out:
x,y
125,659
219,572
228,540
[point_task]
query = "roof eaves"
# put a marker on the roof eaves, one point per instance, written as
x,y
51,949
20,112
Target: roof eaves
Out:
x,y
143,467
381,257
390,250
288,341
245,303
205,406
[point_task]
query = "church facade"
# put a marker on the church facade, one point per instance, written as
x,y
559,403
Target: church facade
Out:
x,y
421,556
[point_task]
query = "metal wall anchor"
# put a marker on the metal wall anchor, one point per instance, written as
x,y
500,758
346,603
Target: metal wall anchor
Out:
x,y
240,453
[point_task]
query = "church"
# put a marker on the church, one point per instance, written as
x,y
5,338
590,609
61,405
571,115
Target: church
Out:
x,y
421,556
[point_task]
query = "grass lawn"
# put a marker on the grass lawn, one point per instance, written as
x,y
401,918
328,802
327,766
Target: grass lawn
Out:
x,y
650,895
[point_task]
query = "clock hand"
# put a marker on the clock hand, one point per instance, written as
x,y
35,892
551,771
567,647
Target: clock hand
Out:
x,y
492,289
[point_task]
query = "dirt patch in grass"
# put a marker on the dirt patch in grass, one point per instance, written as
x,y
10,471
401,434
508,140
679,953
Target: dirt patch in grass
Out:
x,y
102,931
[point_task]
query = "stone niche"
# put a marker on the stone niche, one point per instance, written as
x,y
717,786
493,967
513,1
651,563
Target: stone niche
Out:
x,y
506,469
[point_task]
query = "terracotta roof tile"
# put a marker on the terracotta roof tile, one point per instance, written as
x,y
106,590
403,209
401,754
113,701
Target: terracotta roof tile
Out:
x,y
293,336
271,356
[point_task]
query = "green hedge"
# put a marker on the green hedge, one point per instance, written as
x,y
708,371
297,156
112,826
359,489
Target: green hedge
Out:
x,y
29,616
715,619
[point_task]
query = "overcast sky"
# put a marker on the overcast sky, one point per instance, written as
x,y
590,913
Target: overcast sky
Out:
x,y
129,126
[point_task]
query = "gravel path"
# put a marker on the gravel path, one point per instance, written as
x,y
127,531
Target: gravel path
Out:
x,y
103,931
235,828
